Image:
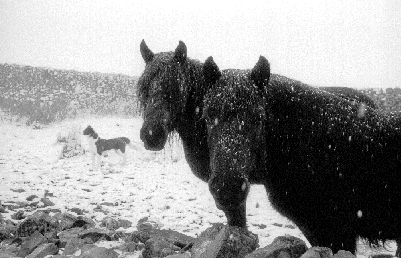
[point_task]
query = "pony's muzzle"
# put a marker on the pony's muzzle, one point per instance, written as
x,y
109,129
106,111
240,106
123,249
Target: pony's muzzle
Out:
x,y
154,137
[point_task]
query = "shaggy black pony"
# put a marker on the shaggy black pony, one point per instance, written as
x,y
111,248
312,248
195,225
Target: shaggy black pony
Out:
x,y
330,167
171,91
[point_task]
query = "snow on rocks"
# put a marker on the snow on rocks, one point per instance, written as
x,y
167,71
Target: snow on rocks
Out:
x,y
68,193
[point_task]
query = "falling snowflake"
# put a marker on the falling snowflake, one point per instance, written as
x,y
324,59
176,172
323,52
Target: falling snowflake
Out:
x,y
216,121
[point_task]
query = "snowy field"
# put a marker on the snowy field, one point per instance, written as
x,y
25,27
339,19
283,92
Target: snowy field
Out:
x,y
158,185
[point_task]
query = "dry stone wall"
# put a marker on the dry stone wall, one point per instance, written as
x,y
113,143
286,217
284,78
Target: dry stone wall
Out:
x,y
45,95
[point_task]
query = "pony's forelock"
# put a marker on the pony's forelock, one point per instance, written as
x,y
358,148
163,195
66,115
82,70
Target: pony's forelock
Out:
x,y
175,80
234,97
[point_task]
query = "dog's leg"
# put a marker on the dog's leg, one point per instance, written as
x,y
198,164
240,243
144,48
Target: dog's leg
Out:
x,y
124,158
123,155
93,161
98,161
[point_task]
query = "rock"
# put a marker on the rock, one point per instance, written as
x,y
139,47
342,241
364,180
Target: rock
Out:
x,y
155,246
51,237
83,222
65,220
97,209
40,214
79,223
138,236
31,243
140,246
99,252
6,231
77,211
2,209
346,254
119,235
20,204
110,223
18,190
87,247
124,223
38,221
224,241
47,193
6,255
183,255
31,197
44,250
166,252
11,207
146,224
54,210
73,245
8,250
158,242
19,215
318,252
108,204
34,204
283,247
149,229
95,234
129,247
66,235
89,221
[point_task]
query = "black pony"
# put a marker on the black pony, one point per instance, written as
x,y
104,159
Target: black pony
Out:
x,y
330,166
171,91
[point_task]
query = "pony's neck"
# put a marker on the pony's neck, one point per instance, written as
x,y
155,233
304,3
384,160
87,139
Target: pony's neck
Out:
x,y
191,128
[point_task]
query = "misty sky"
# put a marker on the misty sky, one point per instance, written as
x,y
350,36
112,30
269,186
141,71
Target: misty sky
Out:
x,y
355,43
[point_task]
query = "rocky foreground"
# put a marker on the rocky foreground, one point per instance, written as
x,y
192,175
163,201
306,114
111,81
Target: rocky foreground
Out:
x,y
48,232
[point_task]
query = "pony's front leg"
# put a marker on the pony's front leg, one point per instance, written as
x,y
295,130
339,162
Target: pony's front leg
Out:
x,y
230,193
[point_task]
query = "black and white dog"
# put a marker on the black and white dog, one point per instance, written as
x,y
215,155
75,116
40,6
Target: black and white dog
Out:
x,y
99,146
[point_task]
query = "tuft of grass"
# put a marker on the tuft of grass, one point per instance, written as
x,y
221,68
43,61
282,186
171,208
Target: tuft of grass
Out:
x,y
71,140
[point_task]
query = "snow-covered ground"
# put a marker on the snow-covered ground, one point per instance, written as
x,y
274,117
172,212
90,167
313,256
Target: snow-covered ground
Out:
x,y
158,185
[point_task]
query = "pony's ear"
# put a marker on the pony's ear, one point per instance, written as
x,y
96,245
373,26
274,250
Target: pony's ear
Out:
x,y
180,54
211,71
146,53
261,73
